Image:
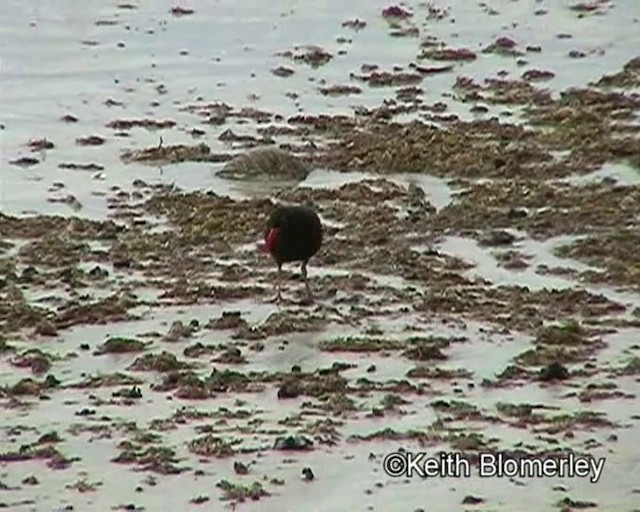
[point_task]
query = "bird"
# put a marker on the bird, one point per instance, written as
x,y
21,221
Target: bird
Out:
x,y
293,233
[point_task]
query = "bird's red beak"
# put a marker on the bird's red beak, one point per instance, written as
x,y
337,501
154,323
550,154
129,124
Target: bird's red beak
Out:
x,y
270,240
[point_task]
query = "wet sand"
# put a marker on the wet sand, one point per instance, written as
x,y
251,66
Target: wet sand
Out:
x,y
478,289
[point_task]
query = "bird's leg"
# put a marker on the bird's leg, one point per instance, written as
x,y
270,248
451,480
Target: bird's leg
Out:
x,y
303,268
277,287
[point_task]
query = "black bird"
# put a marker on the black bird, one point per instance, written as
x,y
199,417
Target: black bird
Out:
x,y
293,233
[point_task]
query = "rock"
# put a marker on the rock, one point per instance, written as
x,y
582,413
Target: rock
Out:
x,y
396,11
503,46
98,272
497,237
282,71
553,372
28,274
517,213
289,389
120,345
178,331
232,355
265,161
423,352
240,468
25,161
307,474
227,320
293,443
46,328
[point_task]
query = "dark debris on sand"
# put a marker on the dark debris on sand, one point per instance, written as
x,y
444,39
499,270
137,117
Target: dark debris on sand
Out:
x,y
191,248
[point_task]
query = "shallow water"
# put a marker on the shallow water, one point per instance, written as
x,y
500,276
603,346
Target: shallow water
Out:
x,y
63,58
486,266
77,78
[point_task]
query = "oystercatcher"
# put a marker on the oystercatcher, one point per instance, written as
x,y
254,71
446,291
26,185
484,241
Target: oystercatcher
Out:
x,y
293,233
